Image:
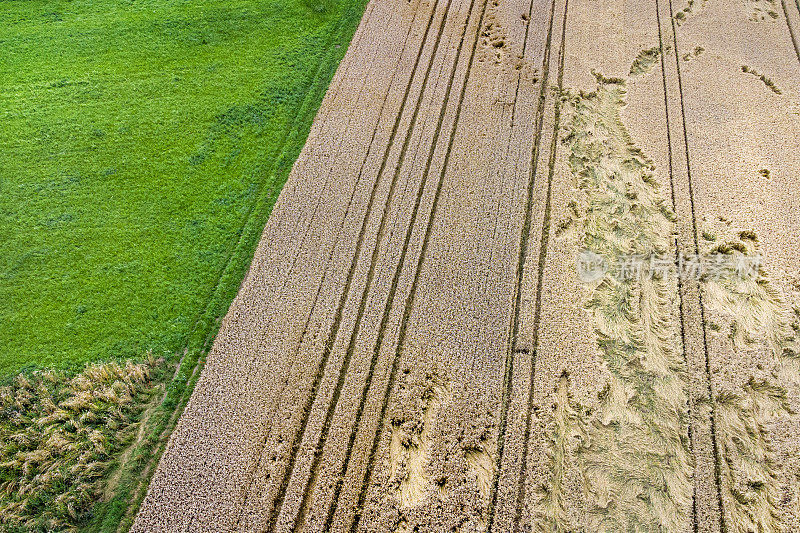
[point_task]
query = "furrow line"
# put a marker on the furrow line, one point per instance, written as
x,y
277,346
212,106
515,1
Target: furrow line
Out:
x,y
711,395
341,74
514,118
681,303
269,181
308,492
540,279
792,33
384,320
338,316
410,299
523,250
329,261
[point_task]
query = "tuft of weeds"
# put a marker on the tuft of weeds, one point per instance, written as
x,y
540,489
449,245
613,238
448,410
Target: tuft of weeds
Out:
x,y
603,80
727,248
764,173
748,235
644,62
764,10
569,432
688,56
765,80
739,247
59,435
758,316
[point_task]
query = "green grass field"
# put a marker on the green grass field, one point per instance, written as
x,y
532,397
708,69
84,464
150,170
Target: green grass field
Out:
x,y
143,144
141,148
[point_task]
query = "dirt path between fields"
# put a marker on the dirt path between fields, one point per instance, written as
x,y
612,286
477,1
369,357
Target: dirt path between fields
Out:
x,y
418,345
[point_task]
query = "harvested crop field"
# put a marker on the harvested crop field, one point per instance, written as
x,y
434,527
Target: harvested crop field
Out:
x,y
536,269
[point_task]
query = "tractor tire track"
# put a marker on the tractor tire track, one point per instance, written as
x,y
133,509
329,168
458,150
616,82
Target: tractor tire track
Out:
x,y
387,363
295,446
410,299
308,492
681,303
329,261
691,196
523,253
522,481
791,28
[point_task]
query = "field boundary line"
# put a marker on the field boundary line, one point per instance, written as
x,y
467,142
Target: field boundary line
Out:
x,y
269,184
312,218
251,475
257,464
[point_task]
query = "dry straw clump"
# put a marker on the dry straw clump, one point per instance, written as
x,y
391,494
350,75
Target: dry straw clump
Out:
x,y
569,432
757,318
58,436
636,458
682,15
411,443
645,61
763,10
764,79
633,453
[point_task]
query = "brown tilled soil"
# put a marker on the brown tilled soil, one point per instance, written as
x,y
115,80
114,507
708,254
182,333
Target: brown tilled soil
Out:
x,y
413,350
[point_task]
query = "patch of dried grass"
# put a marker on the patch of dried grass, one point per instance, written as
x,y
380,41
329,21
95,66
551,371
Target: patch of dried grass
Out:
x,y
635,459
757,316
550,513
58,435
